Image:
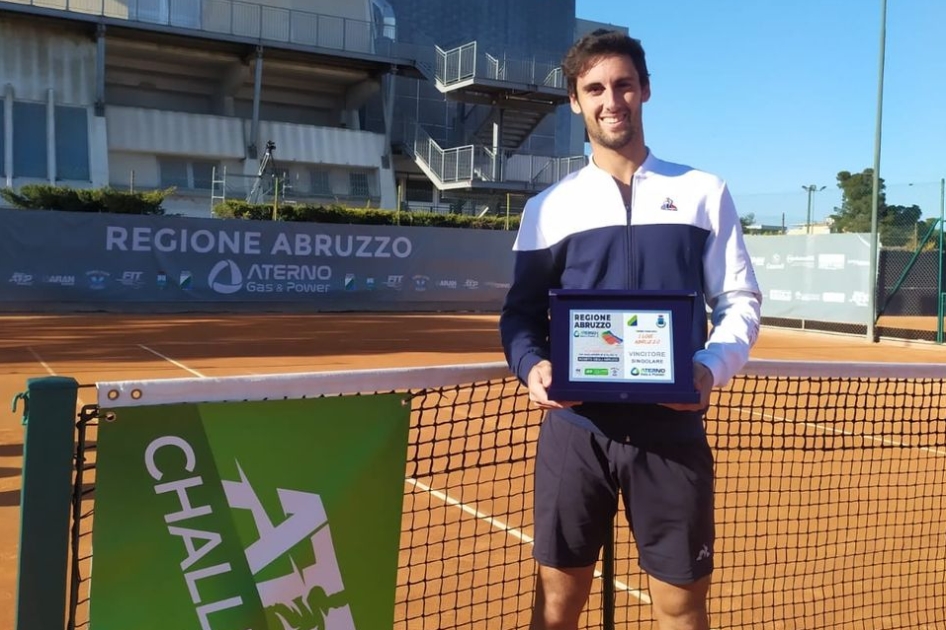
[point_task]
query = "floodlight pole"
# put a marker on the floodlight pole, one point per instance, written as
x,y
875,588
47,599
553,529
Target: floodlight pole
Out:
x,y
811,188
939,256
875,200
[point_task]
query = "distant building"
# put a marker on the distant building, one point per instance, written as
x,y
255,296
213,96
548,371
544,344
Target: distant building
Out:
x,y
759,228
814,228
431,104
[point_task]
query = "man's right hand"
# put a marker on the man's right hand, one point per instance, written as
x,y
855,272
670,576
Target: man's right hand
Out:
x,y
539,379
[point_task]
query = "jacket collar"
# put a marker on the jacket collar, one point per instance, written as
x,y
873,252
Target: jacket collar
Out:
x,y
649,165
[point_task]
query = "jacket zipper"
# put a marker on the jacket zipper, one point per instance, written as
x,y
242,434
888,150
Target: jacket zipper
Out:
x,y
629,268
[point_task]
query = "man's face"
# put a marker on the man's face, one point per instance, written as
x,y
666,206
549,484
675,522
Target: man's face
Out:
x,y
609,97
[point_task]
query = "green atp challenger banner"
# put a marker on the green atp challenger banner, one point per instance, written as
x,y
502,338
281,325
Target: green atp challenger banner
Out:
x,y
275,515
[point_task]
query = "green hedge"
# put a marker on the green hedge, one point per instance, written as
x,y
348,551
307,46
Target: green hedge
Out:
x,y
47,197
232,209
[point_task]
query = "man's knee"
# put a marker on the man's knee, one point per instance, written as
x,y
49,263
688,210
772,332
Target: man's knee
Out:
x,y
560,597
680,605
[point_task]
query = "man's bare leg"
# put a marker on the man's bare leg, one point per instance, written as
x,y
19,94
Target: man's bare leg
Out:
x,y
680,607
560,596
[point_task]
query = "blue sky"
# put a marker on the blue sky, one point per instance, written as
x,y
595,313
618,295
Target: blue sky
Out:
x,y
772,95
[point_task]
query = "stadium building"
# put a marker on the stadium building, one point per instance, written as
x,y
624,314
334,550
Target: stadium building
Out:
x,y
370,103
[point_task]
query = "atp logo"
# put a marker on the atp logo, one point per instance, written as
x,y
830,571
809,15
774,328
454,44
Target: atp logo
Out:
x,y
225,278
310,597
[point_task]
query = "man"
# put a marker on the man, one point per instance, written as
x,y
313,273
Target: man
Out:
x,y
627,220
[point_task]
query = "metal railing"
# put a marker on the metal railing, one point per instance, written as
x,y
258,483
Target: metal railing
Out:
x,y
456,65
557,169
448,165
465,62
469,163
241,19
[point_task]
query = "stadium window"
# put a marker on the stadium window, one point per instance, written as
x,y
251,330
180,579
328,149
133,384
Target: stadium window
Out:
x,y
173,172
319,182
29,140
186,174
72,143
202,175
359,185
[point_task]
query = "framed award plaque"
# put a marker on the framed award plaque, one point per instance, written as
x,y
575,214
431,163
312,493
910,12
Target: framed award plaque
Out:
x,y
622,346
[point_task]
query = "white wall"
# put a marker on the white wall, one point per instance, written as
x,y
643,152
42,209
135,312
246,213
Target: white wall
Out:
x,y
34,59
139,130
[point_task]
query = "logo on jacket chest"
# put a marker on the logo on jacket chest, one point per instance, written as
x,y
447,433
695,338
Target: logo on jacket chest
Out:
x,y
668,205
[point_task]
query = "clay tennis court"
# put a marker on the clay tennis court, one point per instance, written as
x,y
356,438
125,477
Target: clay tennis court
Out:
x,y
104,347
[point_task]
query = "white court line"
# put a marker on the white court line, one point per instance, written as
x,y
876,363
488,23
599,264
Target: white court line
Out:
x,y
51,371
512,531
172,361
39,359
827,429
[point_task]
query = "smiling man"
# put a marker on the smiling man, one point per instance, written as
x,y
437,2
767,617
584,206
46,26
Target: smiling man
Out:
x,y
630,221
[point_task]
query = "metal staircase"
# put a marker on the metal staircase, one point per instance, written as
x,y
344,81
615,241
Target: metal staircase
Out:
x,y
516,125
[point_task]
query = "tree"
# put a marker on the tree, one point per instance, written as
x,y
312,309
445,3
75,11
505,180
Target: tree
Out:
x,y
898,225
856,199
747,220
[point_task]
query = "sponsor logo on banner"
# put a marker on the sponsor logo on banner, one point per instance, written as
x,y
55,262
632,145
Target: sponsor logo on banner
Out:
x,y
831,262
186,280
834,298
162,280
420,282
21,279
394,282
447,284
61,280
775,262
97,279
471,284
779,295
498,285
227,278
860,298
369,284
801,296
757,261
807,262
350,282
304,597
132,279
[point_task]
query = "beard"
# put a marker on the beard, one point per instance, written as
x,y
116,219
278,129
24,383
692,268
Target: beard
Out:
x,y
611,140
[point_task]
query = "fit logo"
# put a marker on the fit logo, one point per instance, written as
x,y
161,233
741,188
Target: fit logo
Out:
x,y
312,596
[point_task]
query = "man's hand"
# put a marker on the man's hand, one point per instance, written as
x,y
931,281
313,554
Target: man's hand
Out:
x,y
703,382
538,381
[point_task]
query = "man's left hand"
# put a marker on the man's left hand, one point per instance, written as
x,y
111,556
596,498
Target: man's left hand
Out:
x,y
703,382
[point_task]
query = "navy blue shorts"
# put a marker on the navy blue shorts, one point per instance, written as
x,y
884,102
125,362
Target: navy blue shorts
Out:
x,y
667,491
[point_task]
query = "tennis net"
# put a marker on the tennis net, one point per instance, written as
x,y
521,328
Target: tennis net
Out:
x,y
829,495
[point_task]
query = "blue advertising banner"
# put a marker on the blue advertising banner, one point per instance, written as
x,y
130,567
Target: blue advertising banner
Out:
x,y
68,260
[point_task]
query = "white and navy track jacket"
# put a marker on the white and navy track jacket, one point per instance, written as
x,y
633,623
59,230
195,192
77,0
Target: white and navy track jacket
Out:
x,y
681,232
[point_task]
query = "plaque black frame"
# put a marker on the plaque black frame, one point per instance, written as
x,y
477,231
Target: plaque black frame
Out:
x,y
678,303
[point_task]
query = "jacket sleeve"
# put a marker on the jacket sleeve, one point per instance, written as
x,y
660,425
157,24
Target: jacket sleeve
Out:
x,y
524,320
731,290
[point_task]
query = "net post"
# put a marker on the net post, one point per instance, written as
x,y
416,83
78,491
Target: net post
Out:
x,y
49,418
607,584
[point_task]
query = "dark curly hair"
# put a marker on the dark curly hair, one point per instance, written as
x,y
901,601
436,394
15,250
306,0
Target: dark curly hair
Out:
x,y
600,43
